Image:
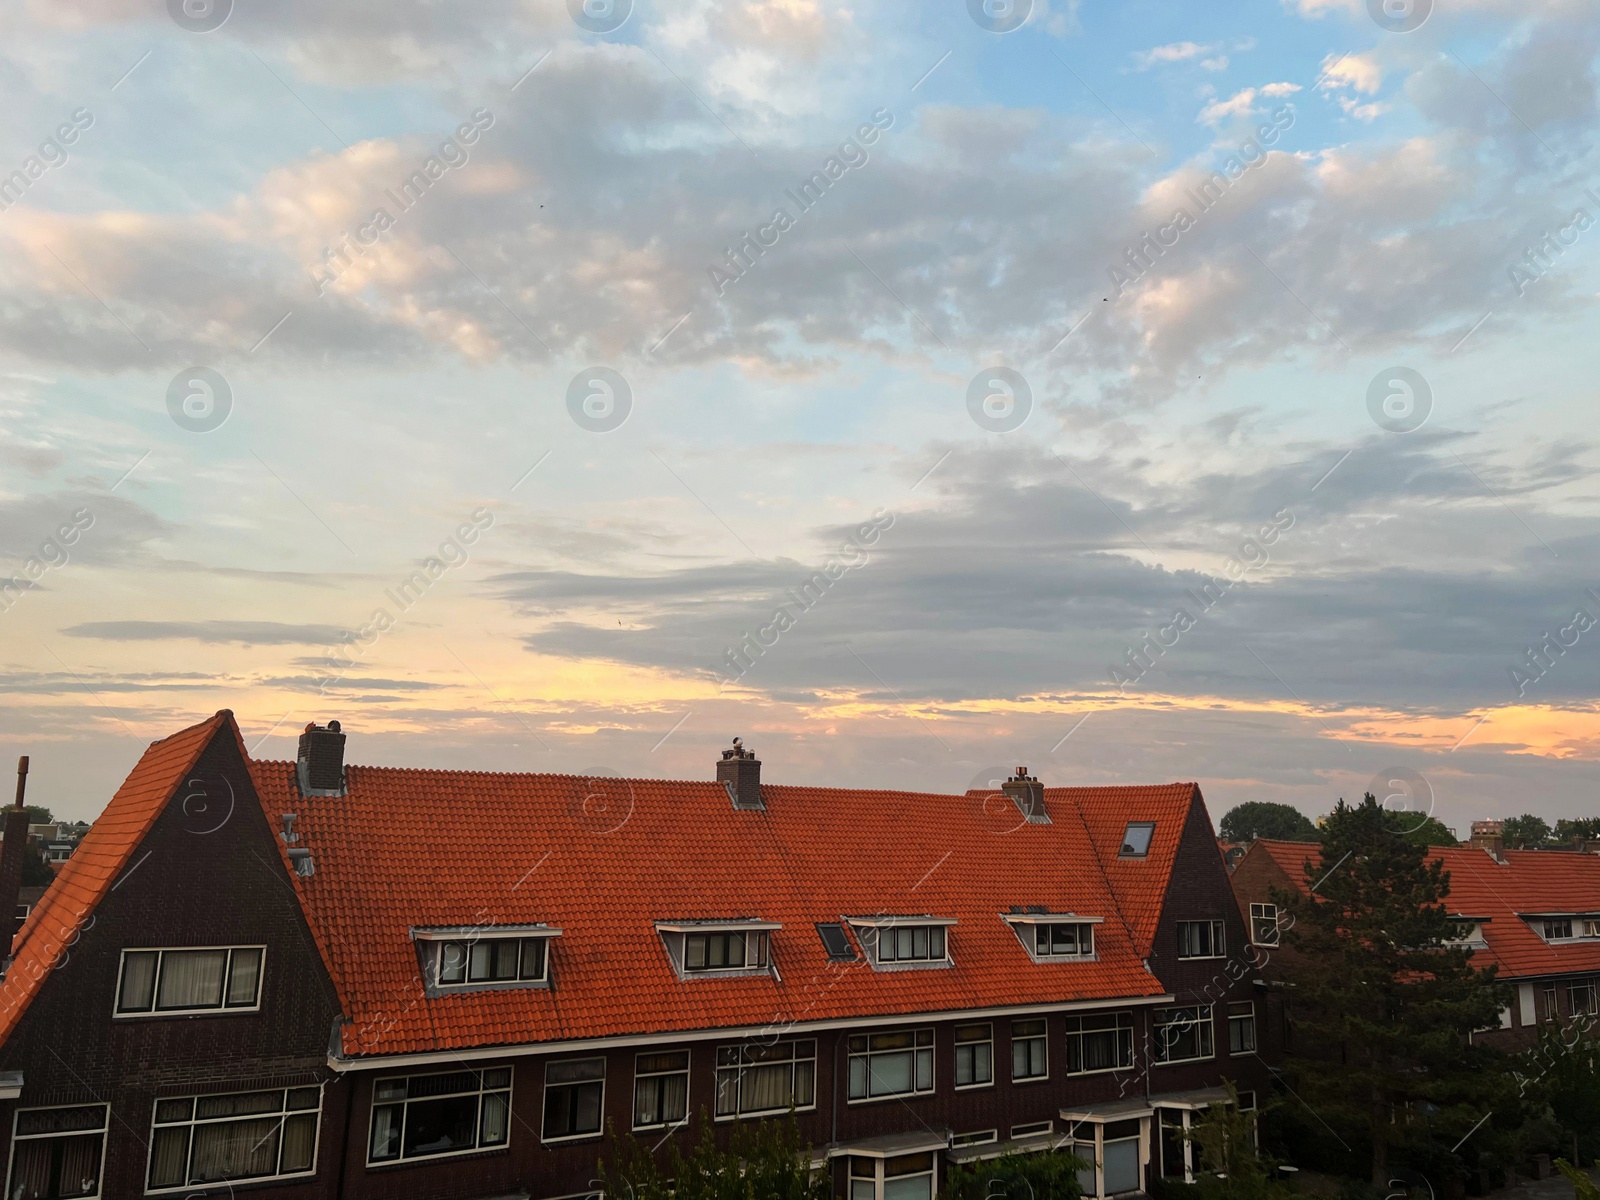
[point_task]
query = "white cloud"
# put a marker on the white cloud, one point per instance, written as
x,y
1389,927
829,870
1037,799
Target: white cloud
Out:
x,y
1171,53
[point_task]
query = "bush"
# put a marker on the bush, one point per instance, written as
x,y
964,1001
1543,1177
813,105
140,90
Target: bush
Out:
x,y
1051,1175
764,1160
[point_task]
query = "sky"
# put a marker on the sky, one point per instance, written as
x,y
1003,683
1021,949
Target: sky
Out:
x,y
1136,392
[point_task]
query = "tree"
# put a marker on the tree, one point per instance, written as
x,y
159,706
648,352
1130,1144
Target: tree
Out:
x,y
764,1160
1263,818
1049,1175
1525,832
1587,828
38,814
1231,1166
1384,1005
36,872
1422,830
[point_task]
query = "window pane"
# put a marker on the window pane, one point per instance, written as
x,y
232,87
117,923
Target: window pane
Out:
x,y
302,1098
235,1150
694,951
924,1070
937,937
386,1132
169,1158
299,1143
244,977
452,963
174,1110
533,958
736,949
478,961
496,1119
804,1084
138,982
191,979
240,1104
436,1126
891,1073
904,944
575,1070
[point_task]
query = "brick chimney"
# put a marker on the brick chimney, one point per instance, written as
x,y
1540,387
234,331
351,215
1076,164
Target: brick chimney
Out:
x,y
1489,836
1028,794
12,853
319,767
740,772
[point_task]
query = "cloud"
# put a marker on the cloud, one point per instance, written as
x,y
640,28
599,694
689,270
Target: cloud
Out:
x,y
1242,104
218,632
1170,53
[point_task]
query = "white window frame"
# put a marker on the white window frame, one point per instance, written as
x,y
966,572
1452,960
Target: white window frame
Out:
x,y
436,941
544,1107
1244,1013
922,1043
639,1076
1548,923
1264,912
194,1124
675,940
972,1045
978,1137
1042,1038
1218,938
104,1131
737,1069
1032,1129
219,1010
1028,926
879,1177
1122,1023
1205,1021
481,1091
871,934
1587,987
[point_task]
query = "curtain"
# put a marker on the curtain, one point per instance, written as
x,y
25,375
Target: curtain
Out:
x,y
169,1158
30,1170
766,1087
80,1167
674,1097
235,1150
192,978
299,1143
386,1131
496,1116
138,982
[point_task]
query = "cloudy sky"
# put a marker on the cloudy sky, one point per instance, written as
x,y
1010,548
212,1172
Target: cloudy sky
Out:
x,y
1137,391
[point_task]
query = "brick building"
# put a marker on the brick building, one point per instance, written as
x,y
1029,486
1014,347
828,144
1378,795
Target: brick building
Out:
x,y
1532,914
311,980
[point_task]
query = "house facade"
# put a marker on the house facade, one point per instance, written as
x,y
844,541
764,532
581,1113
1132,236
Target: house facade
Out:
x,y
309,980
1534,915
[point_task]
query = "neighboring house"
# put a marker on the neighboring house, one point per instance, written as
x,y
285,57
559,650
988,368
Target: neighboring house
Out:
x,y
27,899
370,982
1534,915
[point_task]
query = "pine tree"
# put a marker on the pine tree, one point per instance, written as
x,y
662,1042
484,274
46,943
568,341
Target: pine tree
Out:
x,y
1383,1005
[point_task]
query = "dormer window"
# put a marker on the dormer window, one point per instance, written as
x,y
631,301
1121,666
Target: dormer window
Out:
x,y
739,946
478,957
1557,929
895,943
1467,931
1053,937
1136,839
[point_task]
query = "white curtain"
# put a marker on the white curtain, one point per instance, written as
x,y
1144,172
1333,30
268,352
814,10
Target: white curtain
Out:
x,y
192,978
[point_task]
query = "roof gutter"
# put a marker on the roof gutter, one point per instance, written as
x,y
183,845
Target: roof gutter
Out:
x,y
342,1064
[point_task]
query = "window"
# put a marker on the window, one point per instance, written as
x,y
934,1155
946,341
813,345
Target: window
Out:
x,y
1101,1042
1200,939
1029,1057
199,1140
910,943
574,1093
753,1079
1182,1034
660,1089
57,1152
724,951
1242,1027
494,960
1264,924
836,943
982,1137
220,978
1550,1010
974,1055
1556,928
891,1064
1063,941
1136,839
1580,997
904,1177
1591,929
427,1116
1031,1129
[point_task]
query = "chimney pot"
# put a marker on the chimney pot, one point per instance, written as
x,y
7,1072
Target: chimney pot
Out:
x,y
739,772
13,850
1489,836
319,765
1028,795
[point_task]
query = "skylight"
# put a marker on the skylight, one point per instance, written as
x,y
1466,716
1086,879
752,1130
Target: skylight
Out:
x,y
1136,839
836,943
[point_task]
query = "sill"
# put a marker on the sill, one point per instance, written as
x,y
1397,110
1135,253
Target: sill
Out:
x,y
897,1096
1027,1079
1255,1053
689,973
1048,959
170,1013
476,1151
1200,957
194,1189
1099,1071
658,1125
573,1138
1178,1062
757,1114
973,1087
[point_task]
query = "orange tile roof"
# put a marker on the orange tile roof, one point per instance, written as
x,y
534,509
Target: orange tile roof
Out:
x,y
85,878
1529,881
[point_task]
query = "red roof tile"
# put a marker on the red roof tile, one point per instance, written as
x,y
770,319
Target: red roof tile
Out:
x,y
1529,881
84,879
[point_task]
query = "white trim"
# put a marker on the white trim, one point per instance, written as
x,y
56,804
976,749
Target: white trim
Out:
x,y
1050,919
104,1131
482,933
733,925
400,1160
688,1080
916,1048
221,1010
733,1032
544,1099
193,1123
891,922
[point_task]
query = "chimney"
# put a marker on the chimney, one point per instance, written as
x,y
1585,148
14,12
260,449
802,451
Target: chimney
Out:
x,y
1028,795
740,773
1489,836
12,853
319,768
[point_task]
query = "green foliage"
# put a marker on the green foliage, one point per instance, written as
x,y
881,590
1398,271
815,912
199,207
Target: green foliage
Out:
x,y
764,1160
36,872
1384,1005
1049,1175
1422,830
1263,818
1587,828
1563,1071
1583,1187
1231,1166
38,814
1525,832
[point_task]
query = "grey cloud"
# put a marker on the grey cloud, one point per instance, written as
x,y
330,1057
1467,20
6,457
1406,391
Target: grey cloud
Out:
x,y
242,633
